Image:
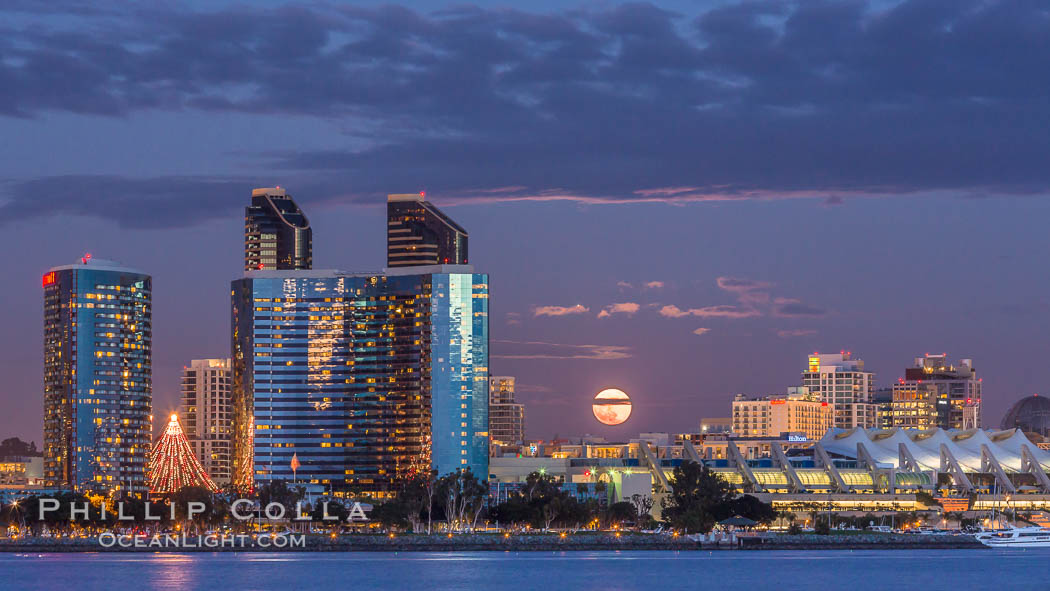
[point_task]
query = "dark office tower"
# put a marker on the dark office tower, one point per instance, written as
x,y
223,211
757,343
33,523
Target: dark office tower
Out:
x,y
419,234
277,234
97,377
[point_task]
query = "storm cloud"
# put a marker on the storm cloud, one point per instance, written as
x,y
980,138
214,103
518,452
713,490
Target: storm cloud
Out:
x,y
626,103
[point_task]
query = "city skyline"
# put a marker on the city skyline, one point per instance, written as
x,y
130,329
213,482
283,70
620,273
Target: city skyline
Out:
x,y
633,240
721,403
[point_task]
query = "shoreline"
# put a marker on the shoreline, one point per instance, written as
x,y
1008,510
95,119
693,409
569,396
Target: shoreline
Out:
x,y
524,543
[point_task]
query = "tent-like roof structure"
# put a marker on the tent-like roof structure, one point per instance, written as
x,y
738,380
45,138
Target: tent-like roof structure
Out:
x,y
925,446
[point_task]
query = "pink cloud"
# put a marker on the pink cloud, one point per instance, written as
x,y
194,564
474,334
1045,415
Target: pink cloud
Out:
x,y
629,308
738,285
752,299
673,312
722,311
546,350
667,195
701,331
655,285
559,310
666,191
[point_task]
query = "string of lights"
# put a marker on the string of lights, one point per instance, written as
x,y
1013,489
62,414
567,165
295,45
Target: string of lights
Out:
x,y
173,464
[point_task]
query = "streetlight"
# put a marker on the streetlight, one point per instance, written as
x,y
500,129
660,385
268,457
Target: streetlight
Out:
x,y
21,516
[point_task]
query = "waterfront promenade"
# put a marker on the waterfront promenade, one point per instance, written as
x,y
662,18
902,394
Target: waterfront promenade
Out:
x,y
588,541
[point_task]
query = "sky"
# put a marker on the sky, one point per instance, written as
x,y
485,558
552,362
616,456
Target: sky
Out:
x,y
681,199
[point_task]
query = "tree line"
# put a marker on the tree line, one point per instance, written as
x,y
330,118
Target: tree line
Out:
x,y
459,501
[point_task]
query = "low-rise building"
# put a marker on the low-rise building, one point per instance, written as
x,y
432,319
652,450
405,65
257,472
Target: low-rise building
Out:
x,y
716,425
22,471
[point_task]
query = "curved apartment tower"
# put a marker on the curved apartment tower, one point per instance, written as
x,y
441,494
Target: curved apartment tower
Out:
x,y
419,234
277,235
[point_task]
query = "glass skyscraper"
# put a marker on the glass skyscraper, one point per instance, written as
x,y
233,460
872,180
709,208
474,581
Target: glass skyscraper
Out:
x,y
277,234
420,234
364,379
97,377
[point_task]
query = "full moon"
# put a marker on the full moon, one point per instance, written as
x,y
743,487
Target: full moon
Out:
x,y
611,406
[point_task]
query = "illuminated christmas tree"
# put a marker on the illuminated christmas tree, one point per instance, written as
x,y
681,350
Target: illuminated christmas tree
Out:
x,y
173,465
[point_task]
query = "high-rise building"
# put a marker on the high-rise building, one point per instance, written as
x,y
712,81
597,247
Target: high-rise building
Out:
x,y
840,380
933,393
207,414
362,378
797,412
883,401
277,234
420,234
506,417
98,387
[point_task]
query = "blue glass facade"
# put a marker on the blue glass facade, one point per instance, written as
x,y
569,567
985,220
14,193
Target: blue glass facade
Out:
x,y
97,377
362,378
459,350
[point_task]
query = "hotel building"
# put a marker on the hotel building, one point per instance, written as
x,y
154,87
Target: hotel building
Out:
x,y
277,234
97,377
840,380
364,378
206,414
799,413
420,234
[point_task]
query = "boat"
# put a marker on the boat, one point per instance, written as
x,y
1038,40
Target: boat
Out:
x,y
1016,537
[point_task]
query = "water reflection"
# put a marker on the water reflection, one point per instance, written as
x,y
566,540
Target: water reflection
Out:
x,y
172,571
540,571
